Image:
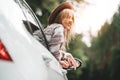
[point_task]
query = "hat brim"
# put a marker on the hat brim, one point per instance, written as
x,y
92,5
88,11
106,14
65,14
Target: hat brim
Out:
x,y
56,11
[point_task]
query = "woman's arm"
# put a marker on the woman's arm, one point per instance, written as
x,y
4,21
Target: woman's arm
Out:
x,y
57,39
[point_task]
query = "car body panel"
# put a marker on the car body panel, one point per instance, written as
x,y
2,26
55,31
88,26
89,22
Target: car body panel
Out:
x,y
31,60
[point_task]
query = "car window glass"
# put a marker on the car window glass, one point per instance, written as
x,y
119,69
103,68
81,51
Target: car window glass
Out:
x,y
30,21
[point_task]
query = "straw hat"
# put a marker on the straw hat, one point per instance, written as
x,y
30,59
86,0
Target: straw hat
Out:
x,y
56,11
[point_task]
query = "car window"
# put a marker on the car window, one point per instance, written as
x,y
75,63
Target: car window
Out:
x,y
31,22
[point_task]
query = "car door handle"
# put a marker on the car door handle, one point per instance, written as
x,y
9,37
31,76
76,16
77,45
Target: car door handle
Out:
x,y
47,59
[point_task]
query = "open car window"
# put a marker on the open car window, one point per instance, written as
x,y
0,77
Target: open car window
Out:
x,y
30,26
31,22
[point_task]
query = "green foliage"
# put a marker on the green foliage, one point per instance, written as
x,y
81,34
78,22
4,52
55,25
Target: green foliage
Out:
x,y
114,63
77,49
45,6
108,37
107,48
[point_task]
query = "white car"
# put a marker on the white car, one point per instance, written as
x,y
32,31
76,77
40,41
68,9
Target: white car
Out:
x,y
26,58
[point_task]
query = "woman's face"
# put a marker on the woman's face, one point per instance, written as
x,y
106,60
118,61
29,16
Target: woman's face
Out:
x,y
67,23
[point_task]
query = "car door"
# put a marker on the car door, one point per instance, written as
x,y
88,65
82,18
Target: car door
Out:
x,y
30,60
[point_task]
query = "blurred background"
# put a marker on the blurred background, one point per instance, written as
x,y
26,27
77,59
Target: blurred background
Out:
x,y
97,38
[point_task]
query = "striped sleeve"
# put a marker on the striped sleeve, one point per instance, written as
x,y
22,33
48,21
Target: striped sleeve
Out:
x,y
56,41
57,36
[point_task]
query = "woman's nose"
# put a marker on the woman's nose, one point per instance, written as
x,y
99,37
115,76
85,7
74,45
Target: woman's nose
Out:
x,y
70,21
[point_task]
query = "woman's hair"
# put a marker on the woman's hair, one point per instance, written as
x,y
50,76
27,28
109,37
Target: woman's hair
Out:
x,y
66,13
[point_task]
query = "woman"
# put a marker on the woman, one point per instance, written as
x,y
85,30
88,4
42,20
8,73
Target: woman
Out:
x,y
58,33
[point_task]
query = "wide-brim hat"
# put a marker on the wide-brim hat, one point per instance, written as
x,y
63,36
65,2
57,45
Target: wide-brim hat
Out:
x,y
56,11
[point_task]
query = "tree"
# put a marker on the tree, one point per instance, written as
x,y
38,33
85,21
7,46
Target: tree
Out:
x,y
107,46
78,49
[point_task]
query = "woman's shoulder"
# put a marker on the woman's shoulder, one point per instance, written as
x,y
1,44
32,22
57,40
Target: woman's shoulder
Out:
x,y
57,28
55,25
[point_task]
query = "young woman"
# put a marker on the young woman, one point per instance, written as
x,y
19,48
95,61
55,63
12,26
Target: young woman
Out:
x,y
58,33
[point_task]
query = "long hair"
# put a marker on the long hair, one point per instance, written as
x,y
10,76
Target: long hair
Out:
x,y
66,13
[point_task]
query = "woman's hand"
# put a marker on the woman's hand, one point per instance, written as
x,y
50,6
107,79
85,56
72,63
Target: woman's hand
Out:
x,y
71,60
64,63
68,62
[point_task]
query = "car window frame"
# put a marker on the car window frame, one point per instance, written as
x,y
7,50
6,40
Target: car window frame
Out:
x,y
39,25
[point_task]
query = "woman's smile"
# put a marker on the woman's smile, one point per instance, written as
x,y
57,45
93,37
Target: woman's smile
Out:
x,y
67,23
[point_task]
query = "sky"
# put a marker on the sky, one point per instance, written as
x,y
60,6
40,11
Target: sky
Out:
x,y
92,14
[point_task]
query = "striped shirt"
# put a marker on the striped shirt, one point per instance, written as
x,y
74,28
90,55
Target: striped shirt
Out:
x,y
55,36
